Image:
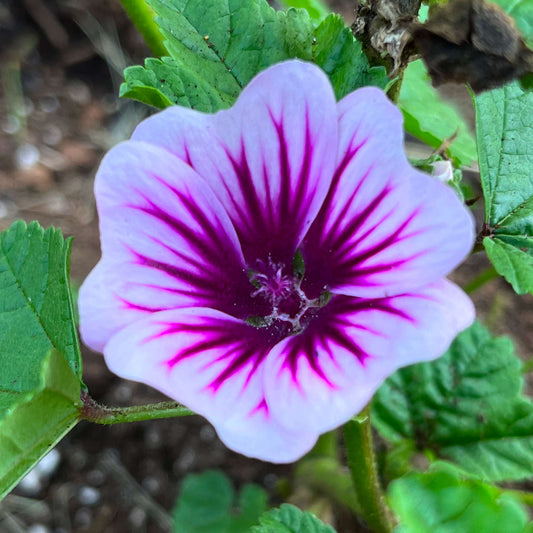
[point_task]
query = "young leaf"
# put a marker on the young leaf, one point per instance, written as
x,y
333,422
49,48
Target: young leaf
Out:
x,y
290,519
35,307
443,500
430,119
207,504
465,406
504,120
342,58
38,420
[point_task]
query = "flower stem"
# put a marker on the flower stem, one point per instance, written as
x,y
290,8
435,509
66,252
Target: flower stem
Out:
x,y
142,15
362,463
100,414
487,275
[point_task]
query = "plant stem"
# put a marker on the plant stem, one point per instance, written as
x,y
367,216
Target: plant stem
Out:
x,y
362,463
100,414
481,279
142,15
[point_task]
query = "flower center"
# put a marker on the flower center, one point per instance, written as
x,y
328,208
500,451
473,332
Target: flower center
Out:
x,y
284,296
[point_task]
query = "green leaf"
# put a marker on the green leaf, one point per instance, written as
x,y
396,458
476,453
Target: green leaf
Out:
x,y
505,139
317,10
217,48
342,58
431,119
442,500
290,519
35,307
465,406
513,263
207,504
522,13
33,425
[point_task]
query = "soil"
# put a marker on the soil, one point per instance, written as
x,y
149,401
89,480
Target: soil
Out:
x,y
61,67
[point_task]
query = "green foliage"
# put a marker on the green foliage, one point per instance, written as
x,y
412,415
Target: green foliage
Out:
x,y
443,500
207,504
522,13
217,47
465,406
505,143
430,119
342,58
39,386
290,519
316,8
38,419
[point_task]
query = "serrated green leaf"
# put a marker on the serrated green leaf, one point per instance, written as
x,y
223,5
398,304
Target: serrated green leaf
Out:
x,y
513,263
465,406
431,119
33,425
317,10
342,58
217,48
505,139
290,519
207,505
36,312
444,501
522,13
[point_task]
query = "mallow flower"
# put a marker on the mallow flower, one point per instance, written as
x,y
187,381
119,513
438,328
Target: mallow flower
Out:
x,y
269,265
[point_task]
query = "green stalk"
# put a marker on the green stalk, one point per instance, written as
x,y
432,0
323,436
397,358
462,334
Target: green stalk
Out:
x,y
100,414
142,15
362,463
487,275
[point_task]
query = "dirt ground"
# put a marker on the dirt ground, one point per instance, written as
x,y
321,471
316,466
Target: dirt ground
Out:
x,y
61,64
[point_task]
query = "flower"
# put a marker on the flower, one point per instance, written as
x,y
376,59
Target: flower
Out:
x,y
270,265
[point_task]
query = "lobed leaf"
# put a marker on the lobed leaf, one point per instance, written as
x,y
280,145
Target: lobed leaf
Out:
x,y
431,119
207,504
290,519
464,406
505,142
218,47
443,500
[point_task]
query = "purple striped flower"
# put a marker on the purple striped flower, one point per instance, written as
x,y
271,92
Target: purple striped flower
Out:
x,y
270,265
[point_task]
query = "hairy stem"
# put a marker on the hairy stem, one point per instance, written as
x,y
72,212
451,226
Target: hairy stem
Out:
x,y
362,463
100,414
142,15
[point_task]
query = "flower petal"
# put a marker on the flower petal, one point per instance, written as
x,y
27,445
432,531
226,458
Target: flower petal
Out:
x,y
268,158
167,242
319,379
385,228
213,364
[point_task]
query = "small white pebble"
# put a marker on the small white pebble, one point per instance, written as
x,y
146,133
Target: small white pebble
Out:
x,y
30,484
49,463
37,528
79,92
11,125
49,104
137,517
88,495
26,156
207,433
151,484
83,517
